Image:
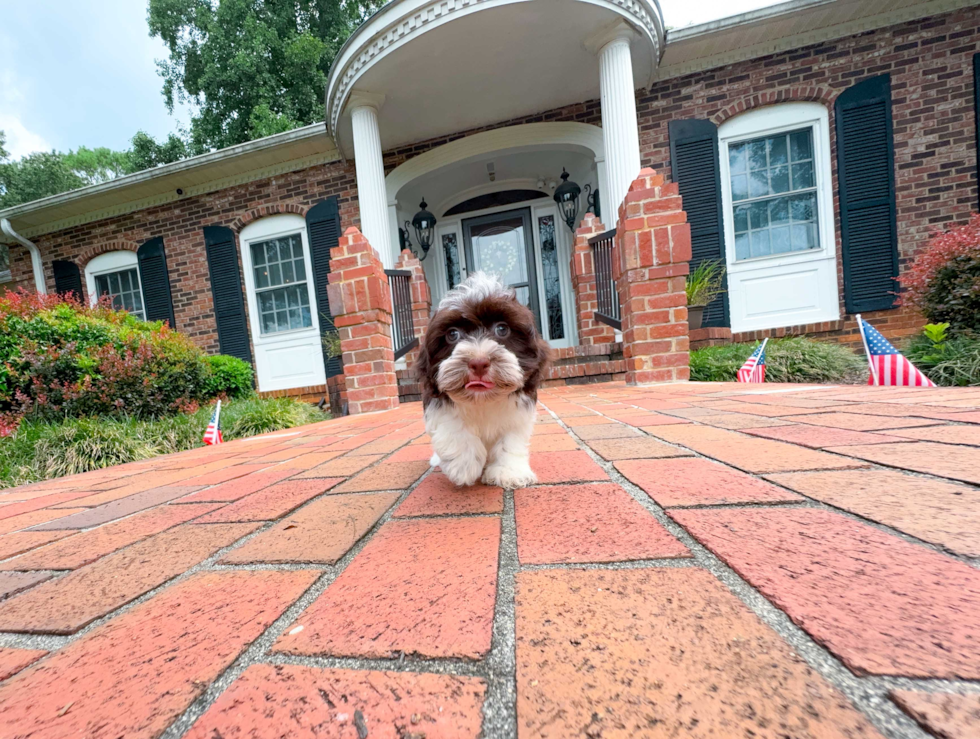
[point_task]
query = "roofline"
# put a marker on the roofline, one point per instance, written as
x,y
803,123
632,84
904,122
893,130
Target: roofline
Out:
x,y
267,142
749,16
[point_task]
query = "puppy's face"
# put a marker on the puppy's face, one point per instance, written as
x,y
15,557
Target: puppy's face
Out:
x,y
481,344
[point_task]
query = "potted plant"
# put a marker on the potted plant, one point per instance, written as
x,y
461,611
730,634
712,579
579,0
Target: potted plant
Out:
x,y
704,284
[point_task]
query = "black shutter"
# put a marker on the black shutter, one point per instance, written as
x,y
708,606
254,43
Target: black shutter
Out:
x,y
323,228
226,288
67,277
694,165
155,281
866,174
976,113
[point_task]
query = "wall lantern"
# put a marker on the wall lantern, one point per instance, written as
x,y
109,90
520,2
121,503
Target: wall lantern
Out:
x,y
424,224
567,196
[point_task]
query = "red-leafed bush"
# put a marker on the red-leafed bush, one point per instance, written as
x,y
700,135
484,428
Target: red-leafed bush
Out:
x,y
60,359
944,280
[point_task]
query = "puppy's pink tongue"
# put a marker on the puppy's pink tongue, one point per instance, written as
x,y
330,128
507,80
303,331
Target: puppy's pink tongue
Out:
x,y
482,384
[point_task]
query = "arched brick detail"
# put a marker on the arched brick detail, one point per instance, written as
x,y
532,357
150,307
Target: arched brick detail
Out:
x,y
794,94
104,248
266,210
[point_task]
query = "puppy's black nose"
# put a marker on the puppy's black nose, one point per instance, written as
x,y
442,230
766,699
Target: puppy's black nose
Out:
x,y
479,367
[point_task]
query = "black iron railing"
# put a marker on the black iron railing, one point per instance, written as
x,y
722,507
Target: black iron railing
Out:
x,y
605,286
403,327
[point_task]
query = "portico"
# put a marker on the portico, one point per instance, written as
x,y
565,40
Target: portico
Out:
x,y
417,70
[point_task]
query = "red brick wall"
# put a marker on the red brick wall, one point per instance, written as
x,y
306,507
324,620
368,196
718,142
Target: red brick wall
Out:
x,y
931,66
180,224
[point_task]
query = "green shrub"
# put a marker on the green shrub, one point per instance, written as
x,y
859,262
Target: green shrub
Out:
x,y
229,376
39,450
795,359
953,295
946,360
60,358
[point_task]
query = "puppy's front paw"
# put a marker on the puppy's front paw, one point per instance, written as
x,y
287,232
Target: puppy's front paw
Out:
x,y
462,470
515,474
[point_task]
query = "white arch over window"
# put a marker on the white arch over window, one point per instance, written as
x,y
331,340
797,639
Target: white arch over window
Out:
x,y
116,273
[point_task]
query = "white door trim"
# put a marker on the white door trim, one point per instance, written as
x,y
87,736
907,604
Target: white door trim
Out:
x,y
287,359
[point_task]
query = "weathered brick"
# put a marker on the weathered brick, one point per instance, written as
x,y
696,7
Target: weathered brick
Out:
x,y
343,467
607,431
394,476
134,675
88,546
690,482
321,532
882,605
437,496
45,501
944,460
270,503
423,587
820,437
668,652
555,443
945,715
748,453
639,447
588,523
13,661
26,520
942,513
65,605
553,467
858,422
239,488
117,508
12,583
23,541
945,434
288,700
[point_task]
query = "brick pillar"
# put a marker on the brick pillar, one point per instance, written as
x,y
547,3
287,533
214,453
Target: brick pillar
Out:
x,y
360,302
590,331
653,248
421,298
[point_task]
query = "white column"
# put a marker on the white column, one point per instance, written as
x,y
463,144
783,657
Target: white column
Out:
x,y
371,196
620,131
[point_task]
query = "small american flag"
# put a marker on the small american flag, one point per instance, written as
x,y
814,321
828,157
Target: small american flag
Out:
x,y
212,434
754,369
888,366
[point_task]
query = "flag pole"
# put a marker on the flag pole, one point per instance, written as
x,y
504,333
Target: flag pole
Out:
x,y
867,352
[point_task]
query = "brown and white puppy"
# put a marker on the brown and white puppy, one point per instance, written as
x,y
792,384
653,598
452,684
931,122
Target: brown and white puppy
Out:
x,y
480,366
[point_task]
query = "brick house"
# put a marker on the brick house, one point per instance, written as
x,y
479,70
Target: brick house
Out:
x,y
815,145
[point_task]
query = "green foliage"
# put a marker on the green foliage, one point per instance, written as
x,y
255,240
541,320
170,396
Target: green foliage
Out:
x,y
250,68
953,293
147,153
98,165
40,451
59,358
705,283
331,343
36,176
953,361
795,359
229,376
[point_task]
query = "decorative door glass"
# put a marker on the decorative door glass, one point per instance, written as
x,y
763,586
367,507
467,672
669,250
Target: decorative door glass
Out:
x,y
450,247
280,284
551,277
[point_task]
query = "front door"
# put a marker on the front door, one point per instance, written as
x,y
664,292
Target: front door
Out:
x,y
501,244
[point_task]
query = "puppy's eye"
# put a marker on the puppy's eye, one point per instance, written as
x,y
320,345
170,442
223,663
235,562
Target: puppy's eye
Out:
x,y
453,335
501,330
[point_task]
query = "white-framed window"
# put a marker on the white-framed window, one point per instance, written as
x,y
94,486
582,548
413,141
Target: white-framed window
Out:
x,y
117,275
280,274
778,205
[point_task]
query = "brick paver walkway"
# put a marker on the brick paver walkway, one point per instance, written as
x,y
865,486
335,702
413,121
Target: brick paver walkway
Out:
x,y
698,560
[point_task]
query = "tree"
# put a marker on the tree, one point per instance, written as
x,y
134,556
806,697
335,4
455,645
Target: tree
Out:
x,y
35,176
147,153
250,67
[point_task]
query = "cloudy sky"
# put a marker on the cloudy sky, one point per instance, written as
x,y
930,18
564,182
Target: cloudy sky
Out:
x,y
83,72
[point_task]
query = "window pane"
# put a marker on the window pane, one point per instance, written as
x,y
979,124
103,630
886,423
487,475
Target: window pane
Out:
x,y
450,248
287,272
299,269
285,309
736,158
777,151
742,246
740,187
759,243
800,145
258,254
780,240
275,274
779,179
757,155
758,184
779,211
124,289
759,215
803,207
741,218
802,175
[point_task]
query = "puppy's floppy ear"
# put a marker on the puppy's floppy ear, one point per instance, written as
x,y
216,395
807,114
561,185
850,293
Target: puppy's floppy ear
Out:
x,y
537,375
423,367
